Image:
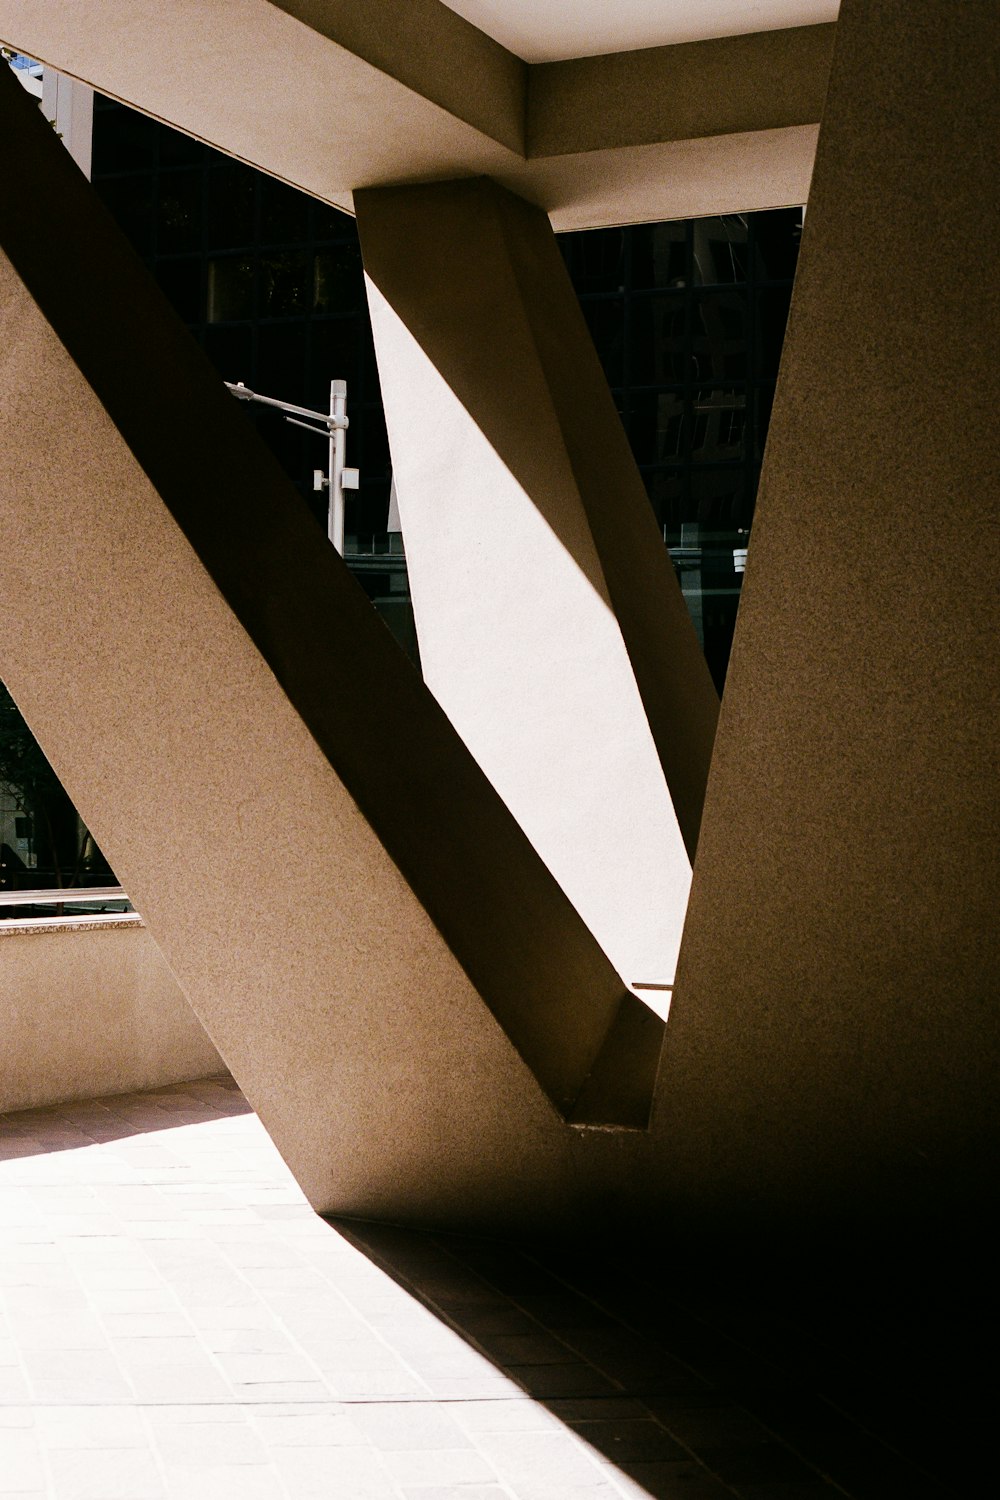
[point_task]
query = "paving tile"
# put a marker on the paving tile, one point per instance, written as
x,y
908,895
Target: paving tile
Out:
x,y
670,1481
354,1473
66,1329
435,1466
188,1328
412,1425
308,1426
562,1380
13,1386
524,1349
456,1492
200,1445
105,1474
21,1466
90,1427
521,1415
224,1482
552,1457
764,1462
631,1440
74,1376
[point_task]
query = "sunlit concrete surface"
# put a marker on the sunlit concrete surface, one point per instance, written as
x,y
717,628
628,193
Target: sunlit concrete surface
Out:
x,y
176,1321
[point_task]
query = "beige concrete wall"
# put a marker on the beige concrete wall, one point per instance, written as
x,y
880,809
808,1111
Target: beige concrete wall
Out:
x,y
835,1033
552,630
89,1008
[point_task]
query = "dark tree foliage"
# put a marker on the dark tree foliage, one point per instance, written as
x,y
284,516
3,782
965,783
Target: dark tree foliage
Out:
x,y
62,849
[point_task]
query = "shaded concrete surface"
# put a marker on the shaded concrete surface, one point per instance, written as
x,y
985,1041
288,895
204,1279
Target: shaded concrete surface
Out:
x,y
366,92
835,1032
250,700
175,1321
89,1006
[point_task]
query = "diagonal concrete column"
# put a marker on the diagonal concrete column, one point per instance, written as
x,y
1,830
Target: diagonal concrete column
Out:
x,y
380,957
835,1034
552,630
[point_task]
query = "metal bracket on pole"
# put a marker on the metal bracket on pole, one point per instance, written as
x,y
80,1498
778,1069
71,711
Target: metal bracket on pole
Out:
x,y
334,428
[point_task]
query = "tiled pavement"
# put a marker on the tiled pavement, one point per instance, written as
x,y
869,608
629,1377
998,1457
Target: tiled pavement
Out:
x,y
176,1322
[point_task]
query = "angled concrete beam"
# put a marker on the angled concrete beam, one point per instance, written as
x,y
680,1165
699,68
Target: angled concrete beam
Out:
x,y
835,1032
768,80
552,629
359,922
333,97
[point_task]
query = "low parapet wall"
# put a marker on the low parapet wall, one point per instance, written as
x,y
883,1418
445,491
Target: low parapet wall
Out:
x,y
88,1006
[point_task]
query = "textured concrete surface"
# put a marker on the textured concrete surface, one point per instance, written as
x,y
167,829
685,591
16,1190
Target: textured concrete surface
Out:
x,y
767,81
176,1324
835,1030
370,939
833,1042
369,92
552,629
91,1008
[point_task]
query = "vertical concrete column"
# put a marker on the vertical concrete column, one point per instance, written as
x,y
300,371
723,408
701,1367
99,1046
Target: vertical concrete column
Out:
x,y
551,628
834,1037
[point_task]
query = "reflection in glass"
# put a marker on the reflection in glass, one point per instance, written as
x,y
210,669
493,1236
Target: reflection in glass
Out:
x,y
606,320
719,250
231,205
231,285
659,256
286,283
718,425
657,347
720,346
178,218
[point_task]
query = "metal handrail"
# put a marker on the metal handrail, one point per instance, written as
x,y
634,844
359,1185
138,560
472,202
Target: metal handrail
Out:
x,y
60,896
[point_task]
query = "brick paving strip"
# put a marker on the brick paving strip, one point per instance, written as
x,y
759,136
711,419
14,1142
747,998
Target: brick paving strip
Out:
x,y
176,1321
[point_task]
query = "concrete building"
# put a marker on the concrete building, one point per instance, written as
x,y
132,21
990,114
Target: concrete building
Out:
x,y
444,1020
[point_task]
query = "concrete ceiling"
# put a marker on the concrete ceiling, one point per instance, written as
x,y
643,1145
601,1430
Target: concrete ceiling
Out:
x,y
362,93
550,30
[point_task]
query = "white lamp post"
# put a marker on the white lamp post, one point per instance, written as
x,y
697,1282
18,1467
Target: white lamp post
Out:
x,y
334,428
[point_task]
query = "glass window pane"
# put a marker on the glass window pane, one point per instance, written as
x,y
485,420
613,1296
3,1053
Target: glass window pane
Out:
x,y
720,250
720,338
179,215
771,315
130,201
606,320
657,346
231,283
660,255
338,279
718,424
657,427
231,352
596,260
667,490
284,213
231,205
776,238
286,284
721,499
334,355
123,140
